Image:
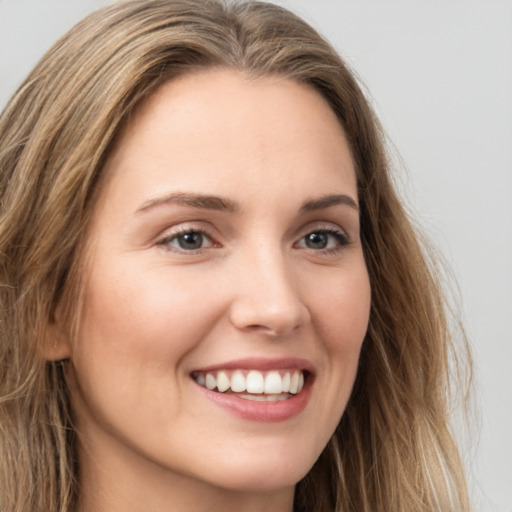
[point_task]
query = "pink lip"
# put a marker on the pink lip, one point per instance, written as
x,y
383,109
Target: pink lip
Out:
x,y
262,364
262,411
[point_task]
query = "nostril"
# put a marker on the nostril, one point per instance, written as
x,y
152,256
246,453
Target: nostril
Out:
x,y
269,318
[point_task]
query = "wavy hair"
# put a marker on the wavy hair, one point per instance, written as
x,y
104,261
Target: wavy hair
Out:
x,y
392,449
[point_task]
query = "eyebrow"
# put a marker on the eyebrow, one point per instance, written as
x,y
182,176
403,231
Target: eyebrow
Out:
x,y
201,201
208,202
327,201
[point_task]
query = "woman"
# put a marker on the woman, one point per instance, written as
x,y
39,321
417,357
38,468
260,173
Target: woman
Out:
x,y
212,297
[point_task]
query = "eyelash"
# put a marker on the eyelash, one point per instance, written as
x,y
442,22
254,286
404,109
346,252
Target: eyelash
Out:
x,y
342,240
166,241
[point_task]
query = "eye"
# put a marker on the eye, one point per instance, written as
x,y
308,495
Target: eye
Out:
x,y
324,239
189,240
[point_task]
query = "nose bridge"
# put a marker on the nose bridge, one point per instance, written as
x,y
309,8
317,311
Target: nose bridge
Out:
x,y
267,298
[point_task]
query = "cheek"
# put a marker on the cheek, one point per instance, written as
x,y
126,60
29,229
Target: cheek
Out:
x,y
342,311
143,312
136,329
340,320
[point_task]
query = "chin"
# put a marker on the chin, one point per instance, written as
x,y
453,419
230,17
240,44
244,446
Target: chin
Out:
x,y
267,472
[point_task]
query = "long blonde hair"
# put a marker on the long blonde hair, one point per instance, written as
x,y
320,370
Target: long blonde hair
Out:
x,y
392,449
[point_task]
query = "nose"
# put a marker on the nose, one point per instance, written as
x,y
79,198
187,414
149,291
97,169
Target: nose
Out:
x,y
267,300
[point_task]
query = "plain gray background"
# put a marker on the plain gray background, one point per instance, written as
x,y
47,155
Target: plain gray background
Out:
x,y
440,76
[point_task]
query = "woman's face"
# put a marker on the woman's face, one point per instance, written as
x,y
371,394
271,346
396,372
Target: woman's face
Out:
x,y
224,253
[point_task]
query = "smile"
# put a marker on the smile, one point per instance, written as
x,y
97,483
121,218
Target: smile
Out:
x,y
273,385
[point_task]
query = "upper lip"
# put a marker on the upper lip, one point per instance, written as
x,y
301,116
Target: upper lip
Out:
x,y
262,364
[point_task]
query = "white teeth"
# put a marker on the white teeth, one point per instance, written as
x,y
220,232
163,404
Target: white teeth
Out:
x,y
265,398
223,382
294,383
238,383
270,386
200,379
273,383
255,382
301,382
211,381
286,382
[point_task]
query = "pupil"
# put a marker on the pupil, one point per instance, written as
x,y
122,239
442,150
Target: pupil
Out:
x,y
191,241
316,240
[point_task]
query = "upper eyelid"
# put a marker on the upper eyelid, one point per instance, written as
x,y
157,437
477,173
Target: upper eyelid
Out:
x,y
344,236
186,227
321,225
210,232
335,232
172,233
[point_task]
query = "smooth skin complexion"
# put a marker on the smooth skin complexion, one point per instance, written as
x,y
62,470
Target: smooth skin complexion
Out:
x,y
225,239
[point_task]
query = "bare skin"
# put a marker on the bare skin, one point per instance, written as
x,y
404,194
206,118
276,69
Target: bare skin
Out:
x,y
228,230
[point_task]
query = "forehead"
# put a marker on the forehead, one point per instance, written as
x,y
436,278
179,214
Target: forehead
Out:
x,y
216,125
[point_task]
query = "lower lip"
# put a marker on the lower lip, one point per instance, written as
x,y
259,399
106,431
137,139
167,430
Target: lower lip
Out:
x,y
261,411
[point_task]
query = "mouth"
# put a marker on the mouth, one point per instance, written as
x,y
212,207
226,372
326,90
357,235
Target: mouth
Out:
x,y
256,385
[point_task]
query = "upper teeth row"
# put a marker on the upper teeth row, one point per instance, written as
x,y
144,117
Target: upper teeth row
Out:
x,y
253,381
